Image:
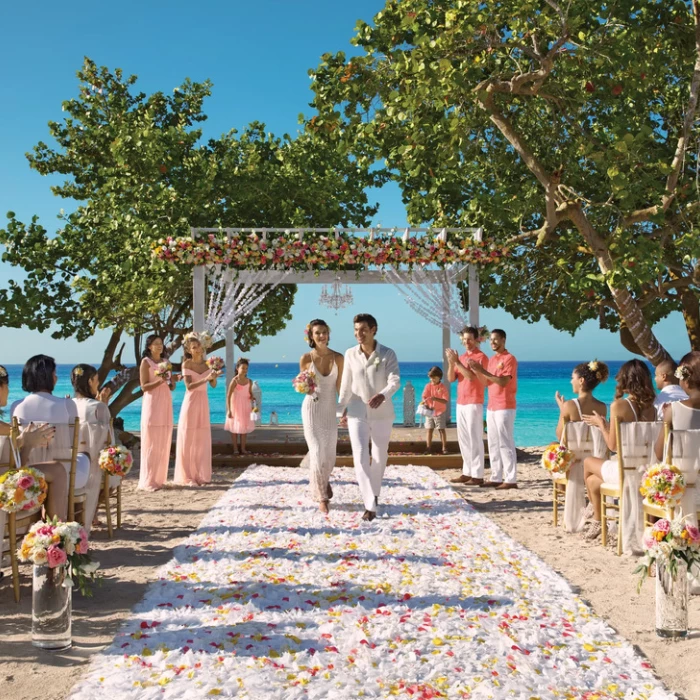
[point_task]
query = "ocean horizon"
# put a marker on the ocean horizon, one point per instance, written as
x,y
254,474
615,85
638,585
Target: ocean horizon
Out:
x,y
535,422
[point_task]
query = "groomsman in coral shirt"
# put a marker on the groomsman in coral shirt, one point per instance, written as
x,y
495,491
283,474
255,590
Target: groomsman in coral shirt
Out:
x,y
501,377
470,406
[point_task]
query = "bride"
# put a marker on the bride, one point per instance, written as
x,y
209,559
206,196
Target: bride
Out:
x,y
318,414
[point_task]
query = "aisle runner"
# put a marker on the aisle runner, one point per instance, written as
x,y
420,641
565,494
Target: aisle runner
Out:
x,y
269,599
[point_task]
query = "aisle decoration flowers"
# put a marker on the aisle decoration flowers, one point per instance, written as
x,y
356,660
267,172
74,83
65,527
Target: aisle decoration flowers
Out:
x,y
55,543
337,251
164,369
556,459
663,485
215,363
116,460
22,489
305,383
668,542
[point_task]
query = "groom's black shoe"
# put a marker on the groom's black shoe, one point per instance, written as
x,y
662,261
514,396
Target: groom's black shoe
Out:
x,y
369,515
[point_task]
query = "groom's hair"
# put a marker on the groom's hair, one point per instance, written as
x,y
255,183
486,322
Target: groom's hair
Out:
x,y
368,319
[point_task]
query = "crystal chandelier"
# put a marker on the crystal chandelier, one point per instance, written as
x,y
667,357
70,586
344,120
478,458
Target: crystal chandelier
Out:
x,y
337,297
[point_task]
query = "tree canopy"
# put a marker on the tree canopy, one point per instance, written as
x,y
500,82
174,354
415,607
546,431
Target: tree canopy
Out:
x,y
136,168
565,129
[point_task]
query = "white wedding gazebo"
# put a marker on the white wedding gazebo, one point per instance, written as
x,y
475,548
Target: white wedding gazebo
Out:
x,y
235,268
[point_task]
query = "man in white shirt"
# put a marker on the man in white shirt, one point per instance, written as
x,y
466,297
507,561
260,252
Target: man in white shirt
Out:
x,y
667,384
370,378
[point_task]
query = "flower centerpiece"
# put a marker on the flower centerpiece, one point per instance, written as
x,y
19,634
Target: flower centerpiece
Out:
x,y
116,460
305,383
215,363
55,543
663,485
22,489
674,546
163,369
557,459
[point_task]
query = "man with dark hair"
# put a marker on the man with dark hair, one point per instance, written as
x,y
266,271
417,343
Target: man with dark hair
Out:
x,y
501,378
470,406
668,386
370,378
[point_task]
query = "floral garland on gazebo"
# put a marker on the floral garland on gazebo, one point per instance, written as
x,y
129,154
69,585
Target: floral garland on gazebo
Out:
x,y
340,251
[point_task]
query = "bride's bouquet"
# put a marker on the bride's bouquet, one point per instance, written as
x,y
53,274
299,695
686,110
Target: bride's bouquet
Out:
x,y
305,383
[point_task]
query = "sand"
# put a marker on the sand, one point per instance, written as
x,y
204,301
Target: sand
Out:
x,y
155,522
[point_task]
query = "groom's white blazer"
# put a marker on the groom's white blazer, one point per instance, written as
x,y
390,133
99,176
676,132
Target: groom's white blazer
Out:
x,y
365,377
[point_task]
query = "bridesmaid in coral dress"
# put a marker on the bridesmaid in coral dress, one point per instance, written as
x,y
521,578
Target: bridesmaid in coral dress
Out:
x,y
156,417
193,455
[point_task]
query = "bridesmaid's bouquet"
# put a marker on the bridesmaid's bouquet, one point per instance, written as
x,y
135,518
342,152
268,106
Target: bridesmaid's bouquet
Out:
x,y
164,369
215,363
305,383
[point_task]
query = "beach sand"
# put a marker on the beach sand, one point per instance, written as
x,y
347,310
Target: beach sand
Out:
x,y
155,522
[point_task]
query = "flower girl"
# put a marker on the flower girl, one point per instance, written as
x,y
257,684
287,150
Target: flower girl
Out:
x,y
239,406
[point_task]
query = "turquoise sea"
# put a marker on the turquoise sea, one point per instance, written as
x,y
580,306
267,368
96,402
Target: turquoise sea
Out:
x,y
534,425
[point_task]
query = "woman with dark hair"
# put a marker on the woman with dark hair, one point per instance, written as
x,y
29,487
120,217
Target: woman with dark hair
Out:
x,y
684,415
584,379
45,438
634,401
193,453
239,403
318,413
94,429
156,415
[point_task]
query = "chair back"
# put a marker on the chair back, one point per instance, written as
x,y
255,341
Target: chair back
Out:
x,y
635,444
9,450
577,437
682,448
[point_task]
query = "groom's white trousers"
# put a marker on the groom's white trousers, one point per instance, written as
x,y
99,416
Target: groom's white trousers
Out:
x,y
369,475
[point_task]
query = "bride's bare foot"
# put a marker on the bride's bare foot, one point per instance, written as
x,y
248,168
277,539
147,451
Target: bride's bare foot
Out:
x,y
323,507
244,452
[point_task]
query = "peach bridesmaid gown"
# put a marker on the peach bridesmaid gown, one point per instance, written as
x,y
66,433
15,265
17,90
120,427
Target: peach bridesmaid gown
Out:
x,y
156,433
193,455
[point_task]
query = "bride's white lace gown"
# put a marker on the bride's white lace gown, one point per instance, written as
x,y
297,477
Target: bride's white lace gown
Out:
x,y
321,432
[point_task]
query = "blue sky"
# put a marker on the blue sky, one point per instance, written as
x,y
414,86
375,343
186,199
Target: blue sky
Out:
x,y
257,54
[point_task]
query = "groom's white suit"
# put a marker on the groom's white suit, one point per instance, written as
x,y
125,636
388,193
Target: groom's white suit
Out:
x,y
363,378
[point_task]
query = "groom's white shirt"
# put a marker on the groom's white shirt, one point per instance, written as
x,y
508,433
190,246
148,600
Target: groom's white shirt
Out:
x,y
365,377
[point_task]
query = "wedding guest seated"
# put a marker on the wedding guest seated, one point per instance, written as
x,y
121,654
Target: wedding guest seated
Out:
x,y
683,414
634,381
668,386
584,379
41,406
36,436
94,428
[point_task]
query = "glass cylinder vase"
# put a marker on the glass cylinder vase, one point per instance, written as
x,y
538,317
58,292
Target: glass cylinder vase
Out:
x,y
671,600
51,608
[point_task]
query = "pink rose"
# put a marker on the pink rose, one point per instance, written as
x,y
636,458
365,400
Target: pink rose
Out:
x,y
83,545
56,556
693,532
649,542
26,481
663,526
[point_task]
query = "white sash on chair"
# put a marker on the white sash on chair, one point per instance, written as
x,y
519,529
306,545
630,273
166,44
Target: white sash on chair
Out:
x,y
580,440
638,440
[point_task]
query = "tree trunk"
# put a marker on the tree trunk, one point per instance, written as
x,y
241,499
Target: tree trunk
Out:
x,y
630,313
128,394
107,364
691,315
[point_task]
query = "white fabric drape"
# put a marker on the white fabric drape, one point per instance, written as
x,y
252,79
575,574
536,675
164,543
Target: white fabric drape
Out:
x,y
584,441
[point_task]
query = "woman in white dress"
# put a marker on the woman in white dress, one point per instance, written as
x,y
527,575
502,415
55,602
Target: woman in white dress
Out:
x,y
633,379
94,429
584,379
318,413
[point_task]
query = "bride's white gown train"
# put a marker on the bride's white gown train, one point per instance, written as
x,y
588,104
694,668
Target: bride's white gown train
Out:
x,y
321,432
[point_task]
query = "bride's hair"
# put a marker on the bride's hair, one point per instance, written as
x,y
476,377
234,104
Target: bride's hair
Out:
x,y
310,330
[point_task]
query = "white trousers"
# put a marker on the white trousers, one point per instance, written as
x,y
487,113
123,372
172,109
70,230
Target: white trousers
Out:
x,y
470,435
369,475
499,430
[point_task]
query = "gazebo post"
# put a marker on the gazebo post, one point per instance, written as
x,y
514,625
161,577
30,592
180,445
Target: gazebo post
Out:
x,y
445,345
230,340
199,276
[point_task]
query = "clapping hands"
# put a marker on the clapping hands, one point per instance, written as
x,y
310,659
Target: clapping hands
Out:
x,y
451,355
104,394
35,435
560,400
596,420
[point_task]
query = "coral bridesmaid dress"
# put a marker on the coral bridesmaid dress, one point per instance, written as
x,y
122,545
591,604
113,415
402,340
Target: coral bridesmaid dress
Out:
x,y
156,433
193,456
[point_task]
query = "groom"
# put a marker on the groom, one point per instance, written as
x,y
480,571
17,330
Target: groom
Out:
x,y
370,379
